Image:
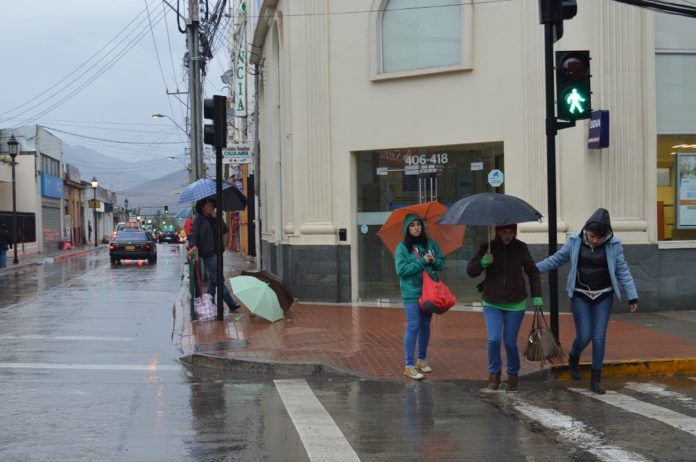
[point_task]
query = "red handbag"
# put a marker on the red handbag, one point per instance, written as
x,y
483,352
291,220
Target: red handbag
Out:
x,y
435,297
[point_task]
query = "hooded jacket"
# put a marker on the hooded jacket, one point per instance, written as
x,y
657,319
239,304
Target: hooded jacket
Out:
x,y
504,283
204,235
409,266
618,268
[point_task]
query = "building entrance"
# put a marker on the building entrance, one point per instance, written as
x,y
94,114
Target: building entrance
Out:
x,y
394,178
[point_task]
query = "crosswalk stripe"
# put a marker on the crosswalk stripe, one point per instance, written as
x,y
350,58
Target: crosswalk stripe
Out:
x,y
322,438
106,367
575,431
661,391
630,404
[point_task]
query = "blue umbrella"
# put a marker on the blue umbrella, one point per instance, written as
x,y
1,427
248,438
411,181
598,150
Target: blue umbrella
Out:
x,y
199,189
184,213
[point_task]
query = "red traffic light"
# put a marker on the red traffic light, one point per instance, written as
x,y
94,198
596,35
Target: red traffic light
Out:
x,y
574,66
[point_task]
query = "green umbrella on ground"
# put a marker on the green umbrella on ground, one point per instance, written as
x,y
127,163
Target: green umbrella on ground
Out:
x,y
257,296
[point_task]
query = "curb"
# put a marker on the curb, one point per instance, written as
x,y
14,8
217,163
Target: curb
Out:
x,y
626,368
75,254
266,369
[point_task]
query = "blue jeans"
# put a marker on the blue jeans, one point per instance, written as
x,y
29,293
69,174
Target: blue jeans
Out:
x,y
3,258
417,328
508,324
591,321
210,264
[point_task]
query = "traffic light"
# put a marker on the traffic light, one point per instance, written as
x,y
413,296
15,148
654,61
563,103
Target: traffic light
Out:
x,y
555,12
573,92
215,109
166,209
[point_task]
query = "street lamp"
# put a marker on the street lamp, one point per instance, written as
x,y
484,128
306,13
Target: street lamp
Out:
x,y
13,146
125,203
165,116
95,183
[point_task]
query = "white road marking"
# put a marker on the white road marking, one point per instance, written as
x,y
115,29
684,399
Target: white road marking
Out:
x,y
577,433
673,419
67,337
104,367
661,391
322,438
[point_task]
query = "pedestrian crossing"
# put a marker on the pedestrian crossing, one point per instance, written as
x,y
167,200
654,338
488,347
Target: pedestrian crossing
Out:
x,y
636,421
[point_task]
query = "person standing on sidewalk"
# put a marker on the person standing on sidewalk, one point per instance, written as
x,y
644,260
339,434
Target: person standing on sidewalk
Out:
x,y
505,260
203,242
597,271
415,254
5,244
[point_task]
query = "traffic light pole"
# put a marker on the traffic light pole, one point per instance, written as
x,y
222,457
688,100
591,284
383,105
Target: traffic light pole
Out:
x,y
552,127
220,244
551,173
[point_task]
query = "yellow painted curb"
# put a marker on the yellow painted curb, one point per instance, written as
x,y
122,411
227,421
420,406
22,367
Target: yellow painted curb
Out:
x,y
635,367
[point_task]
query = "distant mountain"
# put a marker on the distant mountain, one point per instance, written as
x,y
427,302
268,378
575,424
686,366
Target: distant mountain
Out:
x,y
115,174
153,195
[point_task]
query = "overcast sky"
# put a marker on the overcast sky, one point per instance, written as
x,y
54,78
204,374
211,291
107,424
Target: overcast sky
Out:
x,y
52,50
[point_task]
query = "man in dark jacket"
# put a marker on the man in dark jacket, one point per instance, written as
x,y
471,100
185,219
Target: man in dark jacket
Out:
x,y
5,244
203,242
505,260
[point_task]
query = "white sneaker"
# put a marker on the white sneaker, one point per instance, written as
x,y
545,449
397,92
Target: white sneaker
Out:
x,y
423,366
412,372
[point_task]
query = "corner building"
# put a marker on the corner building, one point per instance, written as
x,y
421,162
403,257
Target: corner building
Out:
x,y
369,105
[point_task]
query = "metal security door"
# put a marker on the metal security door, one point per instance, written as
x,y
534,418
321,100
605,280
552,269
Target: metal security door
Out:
x,y
50,224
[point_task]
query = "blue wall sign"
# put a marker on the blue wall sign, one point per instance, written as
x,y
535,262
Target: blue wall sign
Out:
x,y
51,186
599,130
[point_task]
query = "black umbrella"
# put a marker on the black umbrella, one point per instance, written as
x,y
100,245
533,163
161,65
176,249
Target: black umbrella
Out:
x,y
490,209
233,199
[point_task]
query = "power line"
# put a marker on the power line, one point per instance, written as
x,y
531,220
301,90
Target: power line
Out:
x,y
90,80
111,141
75,70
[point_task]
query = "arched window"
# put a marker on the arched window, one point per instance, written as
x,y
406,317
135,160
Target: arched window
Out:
x,y
421,34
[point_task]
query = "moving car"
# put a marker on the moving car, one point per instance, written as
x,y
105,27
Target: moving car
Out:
x,y
133,245
169,235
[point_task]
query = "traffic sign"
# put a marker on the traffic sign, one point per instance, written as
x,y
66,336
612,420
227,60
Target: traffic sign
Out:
x,y
495,178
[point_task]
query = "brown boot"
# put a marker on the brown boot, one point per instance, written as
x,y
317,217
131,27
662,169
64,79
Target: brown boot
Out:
x,y
512,382
493,381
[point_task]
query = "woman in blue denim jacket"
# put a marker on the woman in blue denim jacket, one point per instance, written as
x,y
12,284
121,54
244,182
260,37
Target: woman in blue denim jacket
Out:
x,y
598,271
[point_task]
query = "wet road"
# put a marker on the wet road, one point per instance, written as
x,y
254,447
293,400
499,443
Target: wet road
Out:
x,y
89,371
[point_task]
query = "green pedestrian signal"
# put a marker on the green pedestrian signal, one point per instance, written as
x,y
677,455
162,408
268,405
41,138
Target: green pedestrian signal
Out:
x,y
573,92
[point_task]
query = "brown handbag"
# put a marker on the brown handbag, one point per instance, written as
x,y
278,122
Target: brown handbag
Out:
x,y
541,344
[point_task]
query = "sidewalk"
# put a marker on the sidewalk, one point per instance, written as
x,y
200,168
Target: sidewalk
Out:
x,y
367,341
52,256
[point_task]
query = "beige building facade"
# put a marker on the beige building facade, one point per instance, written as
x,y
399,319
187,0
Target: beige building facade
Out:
x,y
366,106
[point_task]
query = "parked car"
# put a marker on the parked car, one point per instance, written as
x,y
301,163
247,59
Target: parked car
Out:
x,y
169,235
133,245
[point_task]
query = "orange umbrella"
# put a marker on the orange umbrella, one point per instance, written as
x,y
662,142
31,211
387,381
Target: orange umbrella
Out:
x,y
449,237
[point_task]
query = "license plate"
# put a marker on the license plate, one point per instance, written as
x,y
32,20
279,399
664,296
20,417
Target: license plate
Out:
x,y
130,247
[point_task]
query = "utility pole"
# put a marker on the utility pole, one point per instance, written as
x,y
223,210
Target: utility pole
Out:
x,y
194,73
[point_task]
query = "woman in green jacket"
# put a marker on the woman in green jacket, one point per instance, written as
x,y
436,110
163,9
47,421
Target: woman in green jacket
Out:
x,y
415,254
505,260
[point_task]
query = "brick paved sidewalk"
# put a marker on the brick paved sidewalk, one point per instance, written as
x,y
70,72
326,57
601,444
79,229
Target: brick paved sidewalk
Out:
x,y
369,340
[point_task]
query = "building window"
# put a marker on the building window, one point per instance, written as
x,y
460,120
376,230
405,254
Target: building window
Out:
x,y
50,166
418,34
414,37
675,65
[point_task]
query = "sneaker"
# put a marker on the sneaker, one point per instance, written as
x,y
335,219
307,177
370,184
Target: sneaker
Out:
x,y
412,372
423,366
